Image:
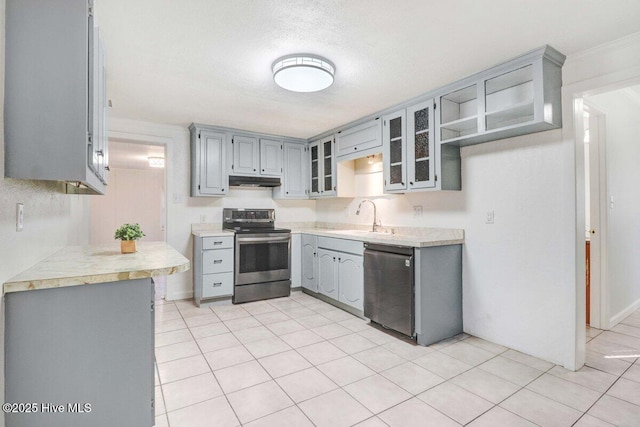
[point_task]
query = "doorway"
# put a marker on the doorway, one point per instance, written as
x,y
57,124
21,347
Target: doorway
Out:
x,y
606,124
136,193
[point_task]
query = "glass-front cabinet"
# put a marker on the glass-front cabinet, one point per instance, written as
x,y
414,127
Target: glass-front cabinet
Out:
x,y
394,147
323,167
421,151
409,150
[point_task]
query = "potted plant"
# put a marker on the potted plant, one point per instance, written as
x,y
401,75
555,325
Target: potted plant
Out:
x,y
128,234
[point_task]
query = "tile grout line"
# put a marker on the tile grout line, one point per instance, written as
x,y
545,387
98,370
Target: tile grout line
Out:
x,y
604,394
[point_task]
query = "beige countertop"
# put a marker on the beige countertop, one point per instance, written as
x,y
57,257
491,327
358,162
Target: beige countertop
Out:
x,y
419,238
209,230
84,265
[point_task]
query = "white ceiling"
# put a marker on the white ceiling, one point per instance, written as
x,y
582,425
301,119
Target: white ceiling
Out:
x,y
125,155
208,61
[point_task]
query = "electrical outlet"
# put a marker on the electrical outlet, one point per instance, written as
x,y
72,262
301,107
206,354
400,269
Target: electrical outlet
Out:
x,y
417,211
19,217
203,218
178,198
490,217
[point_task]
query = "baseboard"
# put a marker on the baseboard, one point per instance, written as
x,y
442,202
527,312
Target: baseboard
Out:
x,y
175,296
614,320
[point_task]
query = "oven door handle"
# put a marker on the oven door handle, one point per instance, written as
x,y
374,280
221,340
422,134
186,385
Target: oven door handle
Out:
x,y
243,240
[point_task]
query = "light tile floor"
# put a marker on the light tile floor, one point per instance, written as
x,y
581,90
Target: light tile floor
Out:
x,y
298,361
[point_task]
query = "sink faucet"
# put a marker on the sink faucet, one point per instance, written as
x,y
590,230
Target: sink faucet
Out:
x,y
375,216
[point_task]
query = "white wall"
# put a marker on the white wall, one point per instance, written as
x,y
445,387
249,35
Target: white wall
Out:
x,y
132,196
622,110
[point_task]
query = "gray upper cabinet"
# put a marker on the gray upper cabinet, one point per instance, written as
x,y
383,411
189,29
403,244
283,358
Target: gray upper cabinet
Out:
x,y
295,179
271,157
516,98
208,172
55,94
411,159
422,159
246,152
323,168
394,151
353,141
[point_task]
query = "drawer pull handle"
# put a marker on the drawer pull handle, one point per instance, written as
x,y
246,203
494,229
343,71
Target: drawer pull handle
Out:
x,y
217,284
217,261
217,243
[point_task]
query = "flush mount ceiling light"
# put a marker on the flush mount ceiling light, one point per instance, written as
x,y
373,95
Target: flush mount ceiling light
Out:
x,y
156,162
303,72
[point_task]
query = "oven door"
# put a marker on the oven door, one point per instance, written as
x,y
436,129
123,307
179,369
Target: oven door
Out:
x,y
263,257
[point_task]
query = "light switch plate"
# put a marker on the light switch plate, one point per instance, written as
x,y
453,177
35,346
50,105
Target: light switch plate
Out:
x,y
417,210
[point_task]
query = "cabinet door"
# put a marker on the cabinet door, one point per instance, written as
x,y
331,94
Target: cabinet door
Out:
x,y
351,280
328,167
309,263
420,146
295,171
245,155
270,157
394,149
327,280
358,138
315,150
211,152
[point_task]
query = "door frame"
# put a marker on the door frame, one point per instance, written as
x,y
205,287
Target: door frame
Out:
x,y
572,106
141,140
599,315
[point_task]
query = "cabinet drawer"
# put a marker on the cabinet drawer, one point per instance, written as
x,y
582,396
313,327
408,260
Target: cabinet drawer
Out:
x,y
217,261
217,242
341,245
217,285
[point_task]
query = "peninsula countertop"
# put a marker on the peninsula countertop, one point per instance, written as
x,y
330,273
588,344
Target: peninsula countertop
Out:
x,y
85,265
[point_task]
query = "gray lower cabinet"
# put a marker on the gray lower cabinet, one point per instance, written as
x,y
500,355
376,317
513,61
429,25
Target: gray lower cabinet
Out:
x,y
213,268
340,271
87,351
208,153
351,280
309,262
438,293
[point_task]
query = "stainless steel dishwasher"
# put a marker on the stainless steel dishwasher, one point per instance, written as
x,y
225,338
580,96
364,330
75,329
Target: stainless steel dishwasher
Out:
x,y
388,287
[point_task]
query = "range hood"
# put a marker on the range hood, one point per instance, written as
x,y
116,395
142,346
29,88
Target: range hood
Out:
x,y
253,181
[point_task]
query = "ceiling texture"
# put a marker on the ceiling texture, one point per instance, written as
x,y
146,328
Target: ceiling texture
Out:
x,y
209,61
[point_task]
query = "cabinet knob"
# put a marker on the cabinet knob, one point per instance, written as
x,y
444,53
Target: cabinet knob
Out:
x,y
334,258
287,192
107,168
262,170
254,170
355,148
402,183
410,182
